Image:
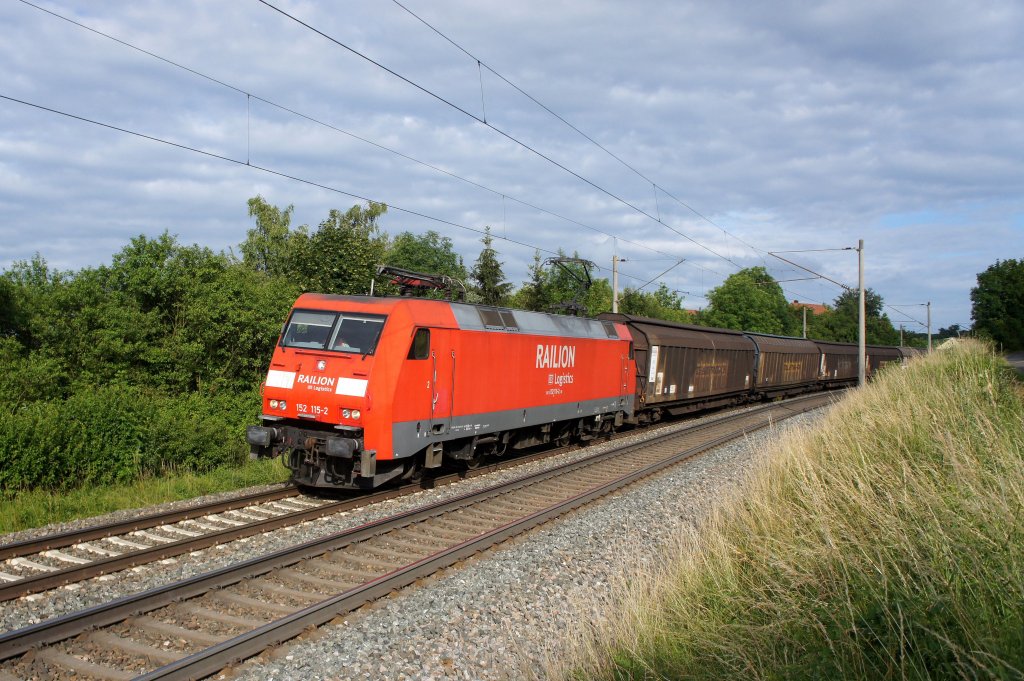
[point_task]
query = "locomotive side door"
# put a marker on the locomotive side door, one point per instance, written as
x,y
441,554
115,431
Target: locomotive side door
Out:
x,y
442,361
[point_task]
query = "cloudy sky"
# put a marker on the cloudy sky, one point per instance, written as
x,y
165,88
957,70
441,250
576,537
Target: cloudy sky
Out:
x,y
718,131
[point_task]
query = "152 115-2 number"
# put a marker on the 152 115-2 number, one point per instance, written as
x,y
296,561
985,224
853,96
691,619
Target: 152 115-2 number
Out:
x,y
314,409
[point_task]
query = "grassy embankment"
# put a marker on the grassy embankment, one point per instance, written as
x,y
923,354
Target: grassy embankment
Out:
x,y
36,508
886,542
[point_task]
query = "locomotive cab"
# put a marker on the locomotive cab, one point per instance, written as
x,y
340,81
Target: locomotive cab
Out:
x,y
317,408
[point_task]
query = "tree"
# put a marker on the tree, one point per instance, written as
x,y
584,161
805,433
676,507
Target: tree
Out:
x,y
342,255
951,331
817,322
663,303
488,276
533,295
27,301
429,253
160,316
16,309
10,314
997,303
749,300
842,324
269,246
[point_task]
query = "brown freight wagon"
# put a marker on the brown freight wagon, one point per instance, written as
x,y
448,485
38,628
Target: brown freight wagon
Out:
x,y
838,363
682,368
881,355
909,353
784,365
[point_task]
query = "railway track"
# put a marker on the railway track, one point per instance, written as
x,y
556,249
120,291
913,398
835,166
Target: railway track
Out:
x,y
202,625
48,562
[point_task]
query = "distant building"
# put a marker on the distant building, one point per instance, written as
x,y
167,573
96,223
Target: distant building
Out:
x,y
812,307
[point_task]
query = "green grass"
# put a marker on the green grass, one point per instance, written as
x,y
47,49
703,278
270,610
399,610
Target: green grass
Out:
x,y
23,510
885,542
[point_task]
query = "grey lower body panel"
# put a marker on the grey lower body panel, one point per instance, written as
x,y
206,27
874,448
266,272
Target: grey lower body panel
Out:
x,y
409,437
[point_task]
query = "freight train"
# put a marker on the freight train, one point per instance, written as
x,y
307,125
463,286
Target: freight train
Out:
x,y
364,390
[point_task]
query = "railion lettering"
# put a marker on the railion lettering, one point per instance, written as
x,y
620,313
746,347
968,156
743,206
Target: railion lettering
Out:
x,y
556,356
316,380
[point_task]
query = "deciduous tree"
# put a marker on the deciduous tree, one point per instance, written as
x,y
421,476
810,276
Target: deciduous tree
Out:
x,y
997,303
749,300
429,253
343,254
270,245
843,321
662,303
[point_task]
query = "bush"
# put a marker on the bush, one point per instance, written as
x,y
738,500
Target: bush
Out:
x,y
199,432
117,433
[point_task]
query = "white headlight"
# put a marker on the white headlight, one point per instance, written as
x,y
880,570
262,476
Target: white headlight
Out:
x,y
273,404
356,413
346,413
282,404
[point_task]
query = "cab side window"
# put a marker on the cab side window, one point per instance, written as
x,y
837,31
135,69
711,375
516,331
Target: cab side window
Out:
x,y
420,345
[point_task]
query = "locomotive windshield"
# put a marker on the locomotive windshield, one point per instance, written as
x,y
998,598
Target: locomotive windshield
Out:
x,y
336,331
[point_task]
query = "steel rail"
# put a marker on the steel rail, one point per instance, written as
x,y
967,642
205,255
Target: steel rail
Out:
x,y
21,641
102,566
60,540
216,658
50,580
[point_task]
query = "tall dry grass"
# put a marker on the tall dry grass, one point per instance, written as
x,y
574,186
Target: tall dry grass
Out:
x,y
886,542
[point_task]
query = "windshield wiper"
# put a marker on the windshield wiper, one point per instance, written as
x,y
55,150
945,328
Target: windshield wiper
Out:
x,y
370,349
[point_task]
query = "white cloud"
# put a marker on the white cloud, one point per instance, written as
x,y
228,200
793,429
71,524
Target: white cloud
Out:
x,y
790,125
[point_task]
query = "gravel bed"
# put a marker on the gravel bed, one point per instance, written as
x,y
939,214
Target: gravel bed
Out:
x,y
129,513
509,613
413,634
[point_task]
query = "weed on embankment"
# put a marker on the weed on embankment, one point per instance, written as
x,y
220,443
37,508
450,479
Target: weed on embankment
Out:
x,y
885,542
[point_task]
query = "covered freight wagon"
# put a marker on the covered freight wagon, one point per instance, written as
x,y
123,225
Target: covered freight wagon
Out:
x,y
838,363
681,368
784,364
881,355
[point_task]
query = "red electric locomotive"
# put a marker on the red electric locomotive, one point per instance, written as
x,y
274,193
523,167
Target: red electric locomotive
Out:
x,y
363,390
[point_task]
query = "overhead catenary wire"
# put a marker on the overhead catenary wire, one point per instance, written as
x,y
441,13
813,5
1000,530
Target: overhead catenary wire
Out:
x,y
583,134
278,173
482,120
496,129
807,269
271,171
561,118
250,96
895,308
654,184
659,276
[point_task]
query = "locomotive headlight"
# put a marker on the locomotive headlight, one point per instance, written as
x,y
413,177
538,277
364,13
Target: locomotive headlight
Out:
x,y
273,404
346,413
282,404
356,413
